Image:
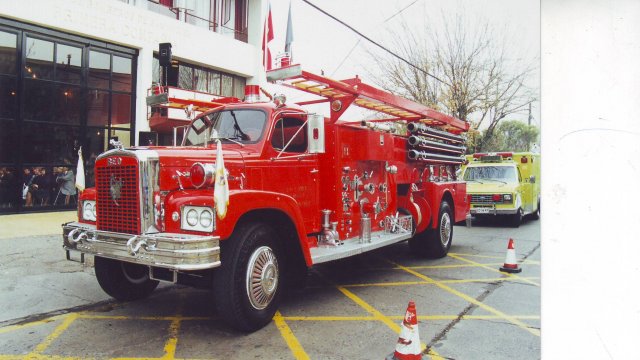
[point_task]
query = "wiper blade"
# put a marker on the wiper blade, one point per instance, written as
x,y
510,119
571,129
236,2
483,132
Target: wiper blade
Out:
x,y
504,182
232,139
478,181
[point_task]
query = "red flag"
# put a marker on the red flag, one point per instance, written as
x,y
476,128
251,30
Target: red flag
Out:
x,y
267,36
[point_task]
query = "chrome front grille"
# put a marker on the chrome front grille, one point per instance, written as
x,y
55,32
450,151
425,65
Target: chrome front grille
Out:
x,y
486,199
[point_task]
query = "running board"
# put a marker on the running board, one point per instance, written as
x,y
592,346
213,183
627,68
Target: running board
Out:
x,y
353,246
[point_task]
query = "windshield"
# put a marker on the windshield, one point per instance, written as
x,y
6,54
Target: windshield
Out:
x,y
244,126
506,174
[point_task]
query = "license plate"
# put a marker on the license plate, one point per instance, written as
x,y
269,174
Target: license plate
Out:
x,y
482,210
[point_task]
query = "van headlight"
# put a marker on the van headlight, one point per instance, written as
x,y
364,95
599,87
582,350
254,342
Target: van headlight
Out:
x,y
89,210
198,218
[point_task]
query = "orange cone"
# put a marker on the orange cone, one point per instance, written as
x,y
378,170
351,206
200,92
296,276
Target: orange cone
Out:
x,y
408,346
510,263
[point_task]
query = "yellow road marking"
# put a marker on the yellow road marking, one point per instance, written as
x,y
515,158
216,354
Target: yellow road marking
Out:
x,y
381,317
68,320
494,270
453,281
477,255
170,345
289,337
400,317
151,318
469,299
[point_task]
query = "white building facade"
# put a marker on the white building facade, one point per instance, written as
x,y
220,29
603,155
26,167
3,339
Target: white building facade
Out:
x,y
75,73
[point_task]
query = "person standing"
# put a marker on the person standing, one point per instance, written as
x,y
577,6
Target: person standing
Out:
x,y
67,184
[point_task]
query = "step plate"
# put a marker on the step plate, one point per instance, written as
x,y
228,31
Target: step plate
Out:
x,y
351,247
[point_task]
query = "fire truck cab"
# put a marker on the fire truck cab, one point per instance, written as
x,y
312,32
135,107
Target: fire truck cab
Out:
x,y
261,190
503,184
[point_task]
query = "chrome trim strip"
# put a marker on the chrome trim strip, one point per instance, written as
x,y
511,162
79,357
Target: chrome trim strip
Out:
x,y
167,250
353,246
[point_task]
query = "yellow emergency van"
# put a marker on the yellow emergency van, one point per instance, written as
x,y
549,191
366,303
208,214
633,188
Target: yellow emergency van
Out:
x,y
503,184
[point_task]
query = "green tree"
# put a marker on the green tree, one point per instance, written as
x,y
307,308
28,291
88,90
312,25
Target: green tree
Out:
x,y
510,135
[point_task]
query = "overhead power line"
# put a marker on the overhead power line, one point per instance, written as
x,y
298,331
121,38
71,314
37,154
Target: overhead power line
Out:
x,y
375,43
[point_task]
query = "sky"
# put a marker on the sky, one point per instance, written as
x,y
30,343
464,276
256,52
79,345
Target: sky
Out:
x,y
320,43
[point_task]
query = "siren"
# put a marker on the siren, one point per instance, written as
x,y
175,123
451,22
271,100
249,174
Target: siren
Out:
x,y
252,93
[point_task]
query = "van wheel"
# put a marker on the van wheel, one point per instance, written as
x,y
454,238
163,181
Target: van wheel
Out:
x,y
516,219
436,242
122,280
536,214
248,285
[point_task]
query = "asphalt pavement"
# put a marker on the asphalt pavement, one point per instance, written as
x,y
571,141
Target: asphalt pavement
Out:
x,y
350,309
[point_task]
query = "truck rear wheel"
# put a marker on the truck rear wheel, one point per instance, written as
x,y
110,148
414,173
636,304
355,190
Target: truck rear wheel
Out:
x,y
436,242
536,214
122,280
248,285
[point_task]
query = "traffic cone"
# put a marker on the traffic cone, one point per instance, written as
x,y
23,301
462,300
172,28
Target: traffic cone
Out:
x,y
510,263
408,346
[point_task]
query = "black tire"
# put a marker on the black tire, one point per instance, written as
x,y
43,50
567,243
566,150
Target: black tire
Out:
x,y
516,219
122,280
251,245
429,243
536,214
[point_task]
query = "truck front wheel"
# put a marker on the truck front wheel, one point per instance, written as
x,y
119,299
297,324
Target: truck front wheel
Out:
x,y
435,242
248,285
122,280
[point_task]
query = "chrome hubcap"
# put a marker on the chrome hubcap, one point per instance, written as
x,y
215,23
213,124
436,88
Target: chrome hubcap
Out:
x,y
262,277
135,274
445,229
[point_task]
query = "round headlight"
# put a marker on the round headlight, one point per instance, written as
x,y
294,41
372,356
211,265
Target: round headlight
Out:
x,y
192,217
206,218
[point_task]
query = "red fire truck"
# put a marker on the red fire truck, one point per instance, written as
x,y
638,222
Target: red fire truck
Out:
x,y
292,189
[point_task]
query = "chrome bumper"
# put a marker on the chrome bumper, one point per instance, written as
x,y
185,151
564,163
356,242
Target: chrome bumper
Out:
x,y
492,211
166,250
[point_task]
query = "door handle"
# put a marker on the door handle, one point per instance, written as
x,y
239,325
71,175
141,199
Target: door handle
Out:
x,y
314,171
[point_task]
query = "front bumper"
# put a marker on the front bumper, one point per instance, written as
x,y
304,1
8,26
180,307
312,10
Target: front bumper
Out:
x,y
492,210
166,250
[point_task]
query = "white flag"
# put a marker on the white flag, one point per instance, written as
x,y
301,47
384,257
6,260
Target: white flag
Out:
x,y
80,171
221,187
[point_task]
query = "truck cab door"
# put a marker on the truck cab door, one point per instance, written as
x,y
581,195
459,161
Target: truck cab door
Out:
x,y
293,170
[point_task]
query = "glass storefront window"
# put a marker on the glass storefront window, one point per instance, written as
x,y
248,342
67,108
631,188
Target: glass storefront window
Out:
x,y
10,191
121,110
156,75
227,85
68,104
68,64
185,77
124,136
8,141
8,97
200,80
97,108
38,100
46,143
8,53
121,78
238,87
39,54
214,83
99,67
43,186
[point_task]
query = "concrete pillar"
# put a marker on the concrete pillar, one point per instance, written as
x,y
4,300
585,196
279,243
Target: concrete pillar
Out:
x,y
144,79
257,15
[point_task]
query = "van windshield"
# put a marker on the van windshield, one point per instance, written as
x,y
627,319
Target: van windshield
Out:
x,y
506,174
244,126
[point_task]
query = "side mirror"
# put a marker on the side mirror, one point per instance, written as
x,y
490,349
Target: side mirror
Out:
x,y
532,179
315,133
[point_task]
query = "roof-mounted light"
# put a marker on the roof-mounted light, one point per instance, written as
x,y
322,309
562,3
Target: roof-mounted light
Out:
x,y
252,93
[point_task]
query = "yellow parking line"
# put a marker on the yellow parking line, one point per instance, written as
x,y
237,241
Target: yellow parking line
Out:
x,y
494,270
170,345
68,320
478,255
400,317
289,337
400,283
380,316
469,299
510,279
